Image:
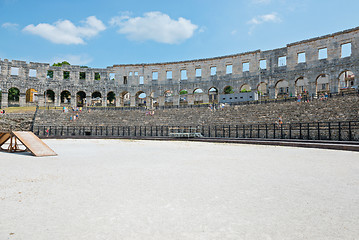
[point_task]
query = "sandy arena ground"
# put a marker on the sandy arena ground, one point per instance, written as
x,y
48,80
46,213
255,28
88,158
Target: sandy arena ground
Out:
x,y
120,189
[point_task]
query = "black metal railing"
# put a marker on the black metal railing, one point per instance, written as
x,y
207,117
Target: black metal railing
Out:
x,y
332,131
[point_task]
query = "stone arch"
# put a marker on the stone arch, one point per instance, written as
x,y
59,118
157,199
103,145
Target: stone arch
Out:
x,y
31,95
49,96
125,98
322,84
245,88
183,97
282,89
228,90
262,89
301,86
346,80
111,98
198,96
96,99
168,97
213,95
65,97
141,99
13,96
81,99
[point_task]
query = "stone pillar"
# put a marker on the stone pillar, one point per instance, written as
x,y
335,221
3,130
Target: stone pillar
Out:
x,y
190,99
133,101
205,98
148,102
118,101
73,102
104,101
4,99
161,101
88,100
57,100
176,100
22,99
41,100
271,92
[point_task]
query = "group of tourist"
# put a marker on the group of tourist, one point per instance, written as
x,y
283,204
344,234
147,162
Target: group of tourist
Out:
x,y
323,96
76,109
2,111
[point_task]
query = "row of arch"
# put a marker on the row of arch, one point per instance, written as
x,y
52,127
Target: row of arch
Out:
x,y
345,80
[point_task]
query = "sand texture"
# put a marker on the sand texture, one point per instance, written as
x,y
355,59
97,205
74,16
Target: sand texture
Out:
x,y
120,189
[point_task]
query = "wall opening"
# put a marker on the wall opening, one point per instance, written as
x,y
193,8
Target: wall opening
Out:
x,y
82,75
31,95
282,61
14,71
323,53
32,73
183,74
229,69
301,57
245,66
49,96
263,64
111,99
111,76
169,75
198,72
50,74
65,97
96,99
66,75
346,50
154,76
213,71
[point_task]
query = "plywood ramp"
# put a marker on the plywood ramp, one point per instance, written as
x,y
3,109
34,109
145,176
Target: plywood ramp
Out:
x,y
33,144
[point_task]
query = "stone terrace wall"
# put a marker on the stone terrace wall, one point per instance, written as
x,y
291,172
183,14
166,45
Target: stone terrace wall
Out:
x,y
16,121
334,109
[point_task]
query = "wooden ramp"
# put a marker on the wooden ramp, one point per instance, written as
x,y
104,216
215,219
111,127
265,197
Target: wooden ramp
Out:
x,y
32,143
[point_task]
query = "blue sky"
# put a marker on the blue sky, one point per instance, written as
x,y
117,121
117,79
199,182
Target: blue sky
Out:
x,y
108,32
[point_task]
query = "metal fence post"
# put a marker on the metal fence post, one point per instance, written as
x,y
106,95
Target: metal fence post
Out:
x,y
339,131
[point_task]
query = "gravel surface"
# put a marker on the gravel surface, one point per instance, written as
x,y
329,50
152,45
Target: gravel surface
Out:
x,y
122,189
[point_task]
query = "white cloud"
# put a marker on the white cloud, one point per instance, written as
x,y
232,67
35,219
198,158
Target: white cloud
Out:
x,y
65,32
10,25
155,26
82,59
273,17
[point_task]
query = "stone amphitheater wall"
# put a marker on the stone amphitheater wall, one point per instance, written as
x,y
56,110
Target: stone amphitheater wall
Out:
x,y
163,88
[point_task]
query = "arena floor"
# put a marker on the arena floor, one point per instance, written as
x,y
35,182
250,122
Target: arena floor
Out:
x,y
121,189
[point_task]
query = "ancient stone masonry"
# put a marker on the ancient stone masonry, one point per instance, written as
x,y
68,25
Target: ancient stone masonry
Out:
x,y
311,67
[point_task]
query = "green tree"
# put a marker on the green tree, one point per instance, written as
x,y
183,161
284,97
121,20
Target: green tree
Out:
x,y
61,64
228,90
182,92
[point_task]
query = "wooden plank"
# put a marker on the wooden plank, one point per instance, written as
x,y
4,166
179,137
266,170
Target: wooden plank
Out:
x,y
4,137
34,144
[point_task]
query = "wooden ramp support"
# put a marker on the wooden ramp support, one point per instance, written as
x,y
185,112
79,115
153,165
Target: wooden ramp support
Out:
x,y
32,143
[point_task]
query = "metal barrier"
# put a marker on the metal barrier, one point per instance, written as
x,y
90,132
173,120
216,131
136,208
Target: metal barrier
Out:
x,y
333,131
